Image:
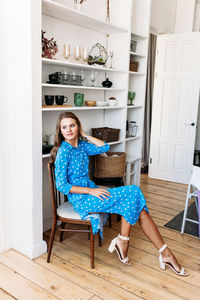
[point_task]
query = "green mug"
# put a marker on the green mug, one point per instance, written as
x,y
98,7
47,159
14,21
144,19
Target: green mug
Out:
x,y
78,99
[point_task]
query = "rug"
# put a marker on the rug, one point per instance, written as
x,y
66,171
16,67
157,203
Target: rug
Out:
x,y
190,228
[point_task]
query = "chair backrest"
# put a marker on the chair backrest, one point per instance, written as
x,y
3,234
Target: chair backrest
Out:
x,y
195,178
55,194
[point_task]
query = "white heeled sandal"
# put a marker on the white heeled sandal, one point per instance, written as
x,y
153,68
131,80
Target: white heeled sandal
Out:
x,y
164,264
113,246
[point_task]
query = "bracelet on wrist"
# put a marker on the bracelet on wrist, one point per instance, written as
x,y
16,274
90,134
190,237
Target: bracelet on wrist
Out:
x,y
84,138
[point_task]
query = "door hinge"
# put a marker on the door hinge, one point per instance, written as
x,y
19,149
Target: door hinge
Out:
x,y
150,160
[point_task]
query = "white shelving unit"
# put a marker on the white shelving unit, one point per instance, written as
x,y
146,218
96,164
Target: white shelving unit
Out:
x,y
85,29
76,65
137,83
59,86
65,13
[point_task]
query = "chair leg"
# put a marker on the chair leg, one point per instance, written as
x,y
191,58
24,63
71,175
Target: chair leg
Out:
x,y
53,230
118,218
99,239
185,211
91,248
62,232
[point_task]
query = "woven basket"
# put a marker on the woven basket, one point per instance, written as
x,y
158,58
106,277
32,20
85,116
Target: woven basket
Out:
x,y
110,166
134,66
106,134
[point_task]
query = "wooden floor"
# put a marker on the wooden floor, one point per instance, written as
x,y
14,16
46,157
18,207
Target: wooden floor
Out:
x,y
69,276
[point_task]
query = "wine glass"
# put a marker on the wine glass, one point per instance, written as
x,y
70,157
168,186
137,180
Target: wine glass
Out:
x,y
82,75
66,51
93,76
131,97
111,57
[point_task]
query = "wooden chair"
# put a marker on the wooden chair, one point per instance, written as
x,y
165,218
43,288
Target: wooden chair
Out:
x,y
67,215
193,187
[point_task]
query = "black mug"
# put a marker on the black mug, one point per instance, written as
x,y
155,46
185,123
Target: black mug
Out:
x,y
49,99
55,77
60,100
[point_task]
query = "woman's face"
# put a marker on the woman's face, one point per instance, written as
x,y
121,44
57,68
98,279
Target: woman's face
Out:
x,y
69,129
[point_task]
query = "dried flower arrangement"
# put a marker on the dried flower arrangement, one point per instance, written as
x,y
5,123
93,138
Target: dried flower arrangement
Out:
x,y
107,11
49,47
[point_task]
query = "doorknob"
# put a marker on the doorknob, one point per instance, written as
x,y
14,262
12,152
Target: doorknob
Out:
x,y
190,124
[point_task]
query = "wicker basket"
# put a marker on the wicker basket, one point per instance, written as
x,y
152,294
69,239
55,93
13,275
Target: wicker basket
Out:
x,y
110,166
134,66
106,134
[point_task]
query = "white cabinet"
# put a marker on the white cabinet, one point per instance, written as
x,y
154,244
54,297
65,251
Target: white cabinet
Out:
x,y
137,83
67,25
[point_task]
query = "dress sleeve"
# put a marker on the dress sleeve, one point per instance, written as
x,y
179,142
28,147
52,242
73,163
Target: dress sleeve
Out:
x,y
92,149
61,165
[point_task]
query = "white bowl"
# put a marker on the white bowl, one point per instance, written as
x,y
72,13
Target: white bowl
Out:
x,y
112,102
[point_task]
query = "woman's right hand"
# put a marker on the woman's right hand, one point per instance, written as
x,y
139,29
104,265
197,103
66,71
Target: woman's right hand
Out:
x,y
100,193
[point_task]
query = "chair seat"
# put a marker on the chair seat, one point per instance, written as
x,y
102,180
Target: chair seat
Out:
x,y
66,210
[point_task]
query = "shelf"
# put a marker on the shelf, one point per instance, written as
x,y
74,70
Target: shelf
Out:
x,y
130,174
134,106
132,138
46,155
97,88
111,143
64,63
115,143
131,73
70,15
132,158
137,36
137,54
60,108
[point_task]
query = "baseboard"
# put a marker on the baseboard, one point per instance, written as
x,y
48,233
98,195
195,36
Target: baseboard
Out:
x,y
39,249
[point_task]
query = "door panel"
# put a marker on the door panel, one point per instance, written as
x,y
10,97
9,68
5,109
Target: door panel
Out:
x,y
175,106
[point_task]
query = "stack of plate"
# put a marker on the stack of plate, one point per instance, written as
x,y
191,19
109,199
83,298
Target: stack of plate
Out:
x,y
101,104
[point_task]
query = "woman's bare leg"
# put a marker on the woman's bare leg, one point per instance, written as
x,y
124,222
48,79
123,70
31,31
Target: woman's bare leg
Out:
x,y
125,231
151,231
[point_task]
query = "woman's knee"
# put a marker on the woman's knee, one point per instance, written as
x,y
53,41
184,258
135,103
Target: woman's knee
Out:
x,y
143,213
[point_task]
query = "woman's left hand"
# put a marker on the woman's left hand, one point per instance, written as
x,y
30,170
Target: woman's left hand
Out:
x,y
100,193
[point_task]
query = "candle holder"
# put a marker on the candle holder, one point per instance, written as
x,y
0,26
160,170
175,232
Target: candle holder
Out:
x,y
67,52
111,59
85,54
77,53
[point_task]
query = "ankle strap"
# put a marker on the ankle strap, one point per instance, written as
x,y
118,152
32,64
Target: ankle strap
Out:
x,y
162,248
125,238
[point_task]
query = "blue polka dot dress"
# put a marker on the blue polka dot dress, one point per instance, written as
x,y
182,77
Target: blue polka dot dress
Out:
x,y
71,169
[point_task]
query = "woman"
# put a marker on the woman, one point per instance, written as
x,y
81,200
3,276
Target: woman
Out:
x,y
71,172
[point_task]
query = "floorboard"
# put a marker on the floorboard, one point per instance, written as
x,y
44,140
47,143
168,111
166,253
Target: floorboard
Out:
x,y
69,276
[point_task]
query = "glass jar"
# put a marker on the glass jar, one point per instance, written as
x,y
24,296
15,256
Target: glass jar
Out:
x,y
132,129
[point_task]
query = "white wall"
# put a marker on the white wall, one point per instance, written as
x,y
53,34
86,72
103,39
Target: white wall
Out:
x,y
172,16
163,14
197,16
21,214
184,16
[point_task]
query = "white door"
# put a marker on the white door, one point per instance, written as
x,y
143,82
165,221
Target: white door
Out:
x,y
175,106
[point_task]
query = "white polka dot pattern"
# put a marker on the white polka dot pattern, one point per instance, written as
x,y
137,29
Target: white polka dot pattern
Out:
x,y
71,169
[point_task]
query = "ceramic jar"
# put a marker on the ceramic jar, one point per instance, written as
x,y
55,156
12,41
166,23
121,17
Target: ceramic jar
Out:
x,y
107,83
